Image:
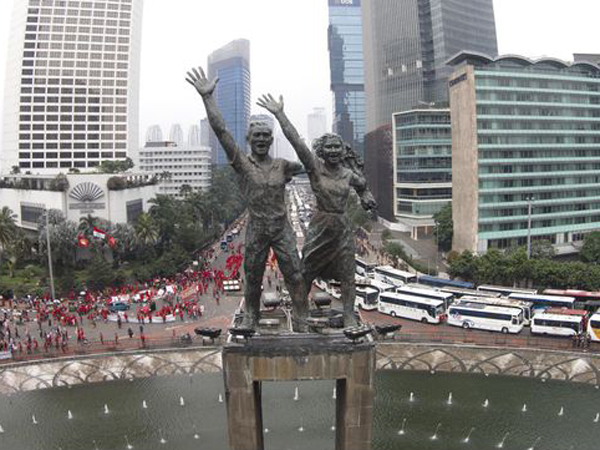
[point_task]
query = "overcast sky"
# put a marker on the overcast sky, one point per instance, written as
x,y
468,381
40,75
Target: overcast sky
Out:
x,y
288,46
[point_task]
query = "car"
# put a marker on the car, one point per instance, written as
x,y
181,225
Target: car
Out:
x,y
118,306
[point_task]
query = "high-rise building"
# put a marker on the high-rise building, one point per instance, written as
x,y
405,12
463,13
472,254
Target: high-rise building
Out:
x,y
154,134
72,84
176,134
316,125
525,149
405,47
423,167
187,161
231,64
347,72
205,132
587,57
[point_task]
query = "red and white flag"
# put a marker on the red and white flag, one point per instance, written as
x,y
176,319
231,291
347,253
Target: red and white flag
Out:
x,y
98,233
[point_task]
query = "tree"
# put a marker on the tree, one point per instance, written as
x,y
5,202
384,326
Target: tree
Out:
x,y
7,229
590,252
463,266
145,231
542,249
444,227
115,166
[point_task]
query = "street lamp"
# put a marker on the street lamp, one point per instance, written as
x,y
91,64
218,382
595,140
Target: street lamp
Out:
x,y
49,254
529,203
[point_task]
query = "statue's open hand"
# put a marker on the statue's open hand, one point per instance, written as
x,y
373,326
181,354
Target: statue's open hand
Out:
x,y
270,104
198,79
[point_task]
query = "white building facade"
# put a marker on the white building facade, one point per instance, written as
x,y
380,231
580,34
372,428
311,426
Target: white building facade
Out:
x,y
72,84
188,162
118,198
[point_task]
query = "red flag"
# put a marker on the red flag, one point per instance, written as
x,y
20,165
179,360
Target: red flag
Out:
x,y
112,242
98,233
83,242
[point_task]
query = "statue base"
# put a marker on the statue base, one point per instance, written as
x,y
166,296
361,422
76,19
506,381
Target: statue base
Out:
x,y
299,357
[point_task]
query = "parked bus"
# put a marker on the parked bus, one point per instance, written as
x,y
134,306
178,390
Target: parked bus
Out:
x,y
557,324
422,309
580,296
545,301
367,298
485,317
526,307
389,275
505,290
426,293
593,327
364,268
460,292
443,282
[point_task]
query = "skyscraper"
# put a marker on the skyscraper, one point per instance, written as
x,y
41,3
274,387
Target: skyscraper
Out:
x,y
231,64
316,125
347,72
72,84
406,44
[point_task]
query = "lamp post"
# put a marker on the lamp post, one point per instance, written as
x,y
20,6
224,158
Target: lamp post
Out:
x,y
49,254
529,203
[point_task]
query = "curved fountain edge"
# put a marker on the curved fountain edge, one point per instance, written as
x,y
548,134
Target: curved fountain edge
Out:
x,y
458,358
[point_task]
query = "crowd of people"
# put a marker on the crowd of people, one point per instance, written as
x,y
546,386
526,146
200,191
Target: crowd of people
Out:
x,y
35,323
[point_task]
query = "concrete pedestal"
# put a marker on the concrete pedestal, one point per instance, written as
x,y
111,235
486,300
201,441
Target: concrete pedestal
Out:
x,y
299,357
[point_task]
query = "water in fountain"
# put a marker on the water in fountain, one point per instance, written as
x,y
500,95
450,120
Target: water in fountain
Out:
x,y
597,418
468,438
501,444
449,401
562,411
535,443
401,430
95,445
69,415
296,394
266,430
181,401
129,446
1,429
333,425
301,428
411,397
334,396
486,403
33,419
524,408
162,439
435,434
106,410
220,398
144,404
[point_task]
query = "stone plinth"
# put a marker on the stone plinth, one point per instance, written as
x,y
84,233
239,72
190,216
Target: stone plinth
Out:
x,y
299,357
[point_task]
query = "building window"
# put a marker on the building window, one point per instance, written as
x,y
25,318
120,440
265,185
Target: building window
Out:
x,y
134,209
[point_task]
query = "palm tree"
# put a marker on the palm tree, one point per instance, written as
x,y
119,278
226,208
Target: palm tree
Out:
x,y
145,231
87,224
8,229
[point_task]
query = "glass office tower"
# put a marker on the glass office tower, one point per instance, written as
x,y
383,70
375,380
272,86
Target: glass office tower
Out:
x,y
231,64
526,151
347,71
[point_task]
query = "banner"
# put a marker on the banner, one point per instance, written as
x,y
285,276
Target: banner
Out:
x,y
98,233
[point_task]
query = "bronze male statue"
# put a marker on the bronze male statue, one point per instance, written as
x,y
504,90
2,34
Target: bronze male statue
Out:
x,y
329,247
262,180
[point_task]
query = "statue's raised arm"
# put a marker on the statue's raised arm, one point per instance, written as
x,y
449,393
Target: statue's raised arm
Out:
x,y
276,108
205,88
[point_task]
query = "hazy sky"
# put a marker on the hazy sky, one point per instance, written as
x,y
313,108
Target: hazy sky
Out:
x,y
288,45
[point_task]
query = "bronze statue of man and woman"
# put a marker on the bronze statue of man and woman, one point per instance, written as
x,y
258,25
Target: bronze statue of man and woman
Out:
x,y
329,247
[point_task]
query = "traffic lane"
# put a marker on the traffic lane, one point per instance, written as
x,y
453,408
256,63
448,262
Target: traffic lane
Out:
x,y
416,331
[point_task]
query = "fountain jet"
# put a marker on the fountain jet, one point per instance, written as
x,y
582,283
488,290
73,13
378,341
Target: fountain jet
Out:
x,y
220,398
401,430
535,443
562,411
524,408
106,410
486,403
33,419
449,401
411,398
181,401
597,418
468,438
144,404
435,434
501,444
296,394
69,415
334,396
129,446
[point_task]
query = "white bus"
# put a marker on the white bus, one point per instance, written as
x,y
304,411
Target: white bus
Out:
x,y
364,268
593,327
426,293
389,275
505,290
423,309
526,307
461,292
545,301
485,317
367,298
557,324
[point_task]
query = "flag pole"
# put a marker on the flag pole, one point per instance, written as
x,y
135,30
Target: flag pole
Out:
x,y
49,254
